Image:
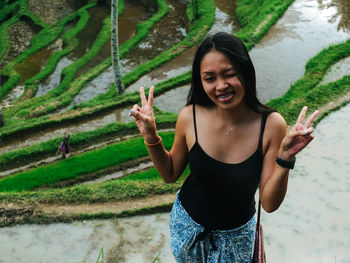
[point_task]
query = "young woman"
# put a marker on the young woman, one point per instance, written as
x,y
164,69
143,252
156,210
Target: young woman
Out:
x,y
233,144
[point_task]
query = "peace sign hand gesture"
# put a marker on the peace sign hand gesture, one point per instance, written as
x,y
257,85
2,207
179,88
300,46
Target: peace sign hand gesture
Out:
x,y
144,116
299,136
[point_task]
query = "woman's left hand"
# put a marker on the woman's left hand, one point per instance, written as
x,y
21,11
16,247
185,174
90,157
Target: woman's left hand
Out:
x,y
298,137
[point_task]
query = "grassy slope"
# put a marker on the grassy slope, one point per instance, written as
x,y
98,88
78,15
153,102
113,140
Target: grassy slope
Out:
x,y
304,91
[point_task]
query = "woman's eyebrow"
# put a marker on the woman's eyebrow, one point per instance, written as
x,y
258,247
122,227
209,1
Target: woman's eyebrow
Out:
x,y
230,69
225,70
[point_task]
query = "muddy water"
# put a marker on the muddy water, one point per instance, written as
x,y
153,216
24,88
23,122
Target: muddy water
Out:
x,y
161,37
34,63
54,79
119,115
135,239
315,216
173,100
133,14
297,34
170,30
87,36
337,71
224,17
312,225
342,13
21,33
175,67
307,27
224,21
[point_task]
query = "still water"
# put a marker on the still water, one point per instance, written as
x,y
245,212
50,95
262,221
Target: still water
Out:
x,y
312,225
307,27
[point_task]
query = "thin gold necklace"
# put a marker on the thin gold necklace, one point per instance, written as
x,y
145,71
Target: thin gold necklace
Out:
x,y
229,131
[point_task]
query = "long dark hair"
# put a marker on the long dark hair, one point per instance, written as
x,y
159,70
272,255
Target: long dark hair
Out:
x,y
237,53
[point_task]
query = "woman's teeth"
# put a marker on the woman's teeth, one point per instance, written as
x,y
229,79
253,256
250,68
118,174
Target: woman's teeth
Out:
x,y
225,95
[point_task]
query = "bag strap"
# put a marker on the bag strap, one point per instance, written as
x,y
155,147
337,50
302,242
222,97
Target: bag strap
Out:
x,y
258,219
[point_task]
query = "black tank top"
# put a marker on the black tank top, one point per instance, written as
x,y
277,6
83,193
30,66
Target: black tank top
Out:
x,y
219,195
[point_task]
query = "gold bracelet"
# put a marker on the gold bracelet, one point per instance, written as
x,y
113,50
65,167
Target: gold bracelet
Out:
x,y
154,144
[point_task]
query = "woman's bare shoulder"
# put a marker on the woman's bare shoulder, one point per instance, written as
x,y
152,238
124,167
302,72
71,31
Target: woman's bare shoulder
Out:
x,y
276,118
185,117
186,113
275,125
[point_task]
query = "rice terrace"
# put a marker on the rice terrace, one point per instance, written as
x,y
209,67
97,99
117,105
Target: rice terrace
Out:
x,y
105,201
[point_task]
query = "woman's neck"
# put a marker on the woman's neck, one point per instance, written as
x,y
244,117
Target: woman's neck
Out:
x,y
233,117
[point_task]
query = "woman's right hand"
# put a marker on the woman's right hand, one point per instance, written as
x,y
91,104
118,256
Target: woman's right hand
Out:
x,y
144,116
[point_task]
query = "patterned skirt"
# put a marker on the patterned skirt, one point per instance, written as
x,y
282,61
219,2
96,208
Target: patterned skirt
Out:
x,y
191,242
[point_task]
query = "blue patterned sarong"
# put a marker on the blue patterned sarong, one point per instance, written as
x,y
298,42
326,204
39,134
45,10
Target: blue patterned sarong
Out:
x,y
191,242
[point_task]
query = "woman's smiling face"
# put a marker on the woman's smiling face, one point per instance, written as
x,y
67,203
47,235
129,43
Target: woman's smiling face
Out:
x,y
220,80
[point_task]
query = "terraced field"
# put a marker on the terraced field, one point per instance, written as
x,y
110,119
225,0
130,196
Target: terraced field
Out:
x,y
56,78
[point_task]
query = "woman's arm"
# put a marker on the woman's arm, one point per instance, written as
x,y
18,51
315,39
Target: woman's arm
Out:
x,y
171,164
274,178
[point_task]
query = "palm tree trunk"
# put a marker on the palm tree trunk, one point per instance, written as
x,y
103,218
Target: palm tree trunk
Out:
x,y
115,47
195,9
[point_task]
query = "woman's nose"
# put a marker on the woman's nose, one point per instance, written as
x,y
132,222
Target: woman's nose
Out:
x,y
221,84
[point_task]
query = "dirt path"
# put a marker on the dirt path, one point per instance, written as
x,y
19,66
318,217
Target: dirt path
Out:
x,y
12,214
110,207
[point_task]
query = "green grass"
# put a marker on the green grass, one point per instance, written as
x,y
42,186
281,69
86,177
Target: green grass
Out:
x,y
113,190
45,37
202,25
77,141
70,43
69,88
79,165
306,92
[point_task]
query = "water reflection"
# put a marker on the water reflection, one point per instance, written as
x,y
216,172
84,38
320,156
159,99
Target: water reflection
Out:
x,y
313,225
342,14
135,239
55,78
175,67
133,14
34,63
224,21
88,34
224,17
303,31
337,71
166,33
173,100
118,115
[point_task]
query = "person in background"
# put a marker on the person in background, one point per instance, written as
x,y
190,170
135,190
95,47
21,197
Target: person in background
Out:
x,y
233,144
64,148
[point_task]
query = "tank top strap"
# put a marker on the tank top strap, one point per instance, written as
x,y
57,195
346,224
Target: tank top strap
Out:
x,y
262,129
194,122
